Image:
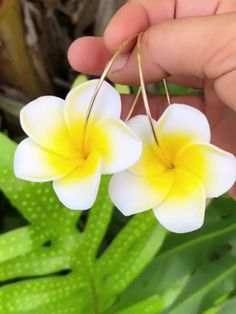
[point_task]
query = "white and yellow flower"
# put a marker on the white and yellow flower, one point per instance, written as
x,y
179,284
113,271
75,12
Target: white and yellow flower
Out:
x,y
176,177
60,149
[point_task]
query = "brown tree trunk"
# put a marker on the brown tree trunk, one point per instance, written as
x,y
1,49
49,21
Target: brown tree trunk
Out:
x,y
16,67
107,8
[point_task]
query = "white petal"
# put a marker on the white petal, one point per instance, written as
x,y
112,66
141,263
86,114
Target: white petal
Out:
x,y
43,121
34,163
141,127
78,190
214,167
106,105
133,194
184,207
180,125
149,162
119,146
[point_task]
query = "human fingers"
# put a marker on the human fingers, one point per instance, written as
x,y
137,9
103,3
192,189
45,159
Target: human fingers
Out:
x,y
208,54
89,55
85,53
147,13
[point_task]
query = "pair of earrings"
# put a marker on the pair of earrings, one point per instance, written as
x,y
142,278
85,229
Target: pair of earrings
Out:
x,y
168,165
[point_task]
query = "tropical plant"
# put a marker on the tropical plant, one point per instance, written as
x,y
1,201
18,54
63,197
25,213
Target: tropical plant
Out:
x,y
64,262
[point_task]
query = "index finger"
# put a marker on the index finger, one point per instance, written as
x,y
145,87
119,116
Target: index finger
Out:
x,y
138,15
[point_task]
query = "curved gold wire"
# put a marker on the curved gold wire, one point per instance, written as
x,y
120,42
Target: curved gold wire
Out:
x,y
133,104
144,93
141,88
146,104
101,80
107,69
104,74
167,91
137,97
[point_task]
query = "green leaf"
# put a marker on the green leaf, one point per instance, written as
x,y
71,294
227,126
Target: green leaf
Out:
x,y
50,245
53,255
227,308
98,221
36,201
181,256
17,242
50,266
176,90
123,89
81,78
128,255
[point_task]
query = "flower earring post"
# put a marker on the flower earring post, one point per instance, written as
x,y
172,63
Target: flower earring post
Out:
x,y
178,168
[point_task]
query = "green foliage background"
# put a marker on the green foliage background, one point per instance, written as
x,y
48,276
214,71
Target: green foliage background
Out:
x,y
57,261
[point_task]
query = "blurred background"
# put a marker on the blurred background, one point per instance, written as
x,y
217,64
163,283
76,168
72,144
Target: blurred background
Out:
x,y
34,38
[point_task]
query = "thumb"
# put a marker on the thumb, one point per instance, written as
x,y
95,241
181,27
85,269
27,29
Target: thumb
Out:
x,y
204,47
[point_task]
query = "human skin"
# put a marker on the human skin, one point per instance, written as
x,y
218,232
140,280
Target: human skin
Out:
x,y
192,42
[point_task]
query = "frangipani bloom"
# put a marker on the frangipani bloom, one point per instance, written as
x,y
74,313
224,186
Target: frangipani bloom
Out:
x,y
176,177
60,149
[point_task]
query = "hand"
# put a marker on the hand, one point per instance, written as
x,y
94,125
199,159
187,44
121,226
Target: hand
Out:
x,y
197,49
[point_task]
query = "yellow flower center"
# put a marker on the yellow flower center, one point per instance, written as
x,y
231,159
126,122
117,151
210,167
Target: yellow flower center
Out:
x,y
88,140
161,157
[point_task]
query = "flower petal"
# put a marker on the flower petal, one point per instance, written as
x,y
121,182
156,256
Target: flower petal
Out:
x,y
133,194
78,190
34,163
106,105
140,126
119,146
214,167
180,125
149,162
184,207
43,121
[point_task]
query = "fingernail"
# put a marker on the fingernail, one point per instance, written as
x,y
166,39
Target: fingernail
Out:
x,y
119,63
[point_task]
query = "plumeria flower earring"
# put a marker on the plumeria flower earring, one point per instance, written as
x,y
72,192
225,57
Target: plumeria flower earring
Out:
x,y
72,142
178,168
